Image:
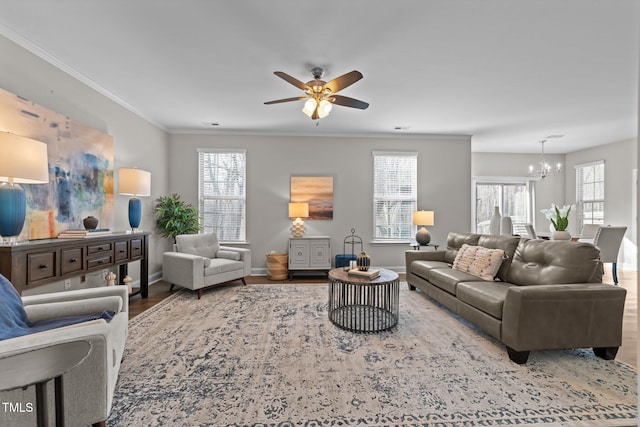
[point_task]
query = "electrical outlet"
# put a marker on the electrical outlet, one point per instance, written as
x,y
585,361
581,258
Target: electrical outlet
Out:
x,y
104,273
67,284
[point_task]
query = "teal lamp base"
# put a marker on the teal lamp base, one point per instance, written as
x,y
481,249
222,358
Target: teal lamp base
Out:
x,y
13,210
135,212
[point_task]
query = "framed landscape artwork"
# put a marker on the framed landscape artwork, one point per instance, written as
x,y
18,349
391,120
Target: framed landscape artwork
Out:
x,y
315,190
80,169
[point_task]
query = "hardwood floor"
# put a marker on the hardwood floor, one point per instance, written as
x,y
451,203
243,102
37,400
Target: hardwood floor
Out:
x,y
627,279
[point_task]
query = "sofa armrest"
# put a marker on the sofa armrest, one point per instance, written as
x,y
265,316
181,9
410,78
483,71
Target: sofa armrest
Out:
x,y
577,315
245,257
54,310
410,256
81,295
90,331
183,269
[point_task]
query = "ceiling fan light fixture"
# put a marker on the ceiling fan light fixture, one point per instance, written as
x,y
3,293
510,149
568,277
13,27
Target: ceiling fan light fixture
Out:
x,y
309,106
324,108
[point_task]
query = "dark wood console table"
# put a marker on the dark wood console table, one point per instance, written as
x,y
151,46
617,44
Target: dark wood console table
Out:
x,y
37,262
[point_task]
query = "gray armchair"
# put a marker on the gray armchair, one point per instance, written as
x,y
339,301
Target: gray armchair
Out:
x,y
89,385
608,239
199,262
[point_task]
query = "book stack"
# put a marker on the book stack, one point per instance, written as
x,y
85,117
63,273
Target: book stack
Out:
x,y
82,233
371,273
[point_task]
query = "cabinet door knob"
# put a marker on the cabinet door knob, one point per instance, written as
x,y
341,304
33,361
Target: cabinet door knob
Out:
x,y
43,266
72,260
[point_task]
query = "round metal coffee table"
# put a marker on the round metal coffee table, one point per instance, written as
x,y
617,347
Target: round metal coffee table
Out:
x,y
363,305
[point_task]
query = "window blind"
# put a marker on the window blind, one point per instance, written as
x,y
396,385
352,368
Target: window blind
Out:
x,y
222,193
395,190
590,193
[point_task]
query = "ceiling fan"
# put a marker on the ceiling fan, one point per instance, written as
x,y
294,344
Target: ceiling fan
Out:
x,y
320,95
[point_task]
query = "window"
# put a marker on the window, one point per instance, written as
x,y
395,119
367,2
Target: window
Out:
x,y
590,194
514,198
395,189
221,181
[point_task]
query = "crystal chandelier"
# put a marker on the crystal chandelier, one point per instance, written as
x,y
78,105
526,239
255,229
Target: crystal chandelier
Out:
x,y
543,169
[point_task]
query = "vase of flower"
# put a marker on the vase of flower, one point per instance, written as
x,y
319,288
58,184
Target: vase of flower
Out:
x,y
559,218
560,235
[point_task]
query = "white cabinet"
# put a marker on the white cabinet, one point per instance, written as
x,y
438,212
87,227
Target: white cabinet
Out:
x,y
310,253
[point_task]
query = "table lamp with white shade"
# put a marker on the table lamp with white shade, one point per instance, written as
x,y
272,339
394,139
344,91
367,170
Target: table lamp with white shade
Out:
x,y
422,219
298,211
22,161
134,182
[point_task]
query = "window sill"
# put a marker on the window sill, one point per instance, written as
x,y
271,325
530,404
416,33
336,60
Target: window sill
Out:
x,y
245,243
390,241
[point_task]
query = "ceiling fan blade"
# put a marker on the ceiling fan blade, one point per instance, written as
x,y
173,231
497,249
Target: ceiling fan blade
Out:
x,y
349,102
278,101
343,81
297,83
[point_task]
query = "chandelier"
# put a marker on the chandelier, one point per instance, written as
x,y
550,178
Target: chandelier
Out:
x,y
543,169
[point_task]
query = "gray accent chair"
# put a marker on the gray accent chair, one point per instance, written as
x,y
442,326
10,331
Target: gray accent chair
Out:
x,y
608,239
89,386
531,232
199,262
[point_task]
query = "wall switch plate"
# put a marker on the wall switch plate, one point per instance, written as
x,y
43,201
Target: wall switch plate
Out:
x,y
67,284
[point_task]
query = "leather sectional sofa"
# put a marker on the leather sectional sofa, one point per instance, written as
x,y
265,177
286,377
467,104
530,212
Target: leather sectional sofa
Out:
x,y
546,294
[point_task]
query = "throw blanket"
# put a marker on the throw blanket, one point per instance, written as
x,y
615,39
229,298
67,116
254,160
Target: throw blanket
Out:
x,y
14,321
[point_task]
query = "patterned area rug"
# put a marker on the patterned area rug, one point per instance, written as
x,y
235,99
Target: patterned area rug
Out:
x,y
266,355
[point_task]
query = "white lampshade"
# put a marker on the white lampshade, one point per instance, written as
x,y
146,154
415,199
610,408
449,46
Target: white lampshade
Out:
x,y
423,218
23,160
324,108
135,182
310,106
298,210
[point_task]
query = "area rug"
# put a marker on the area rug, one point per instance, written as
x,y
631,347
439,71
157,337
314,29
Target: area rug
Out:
x,y
267,355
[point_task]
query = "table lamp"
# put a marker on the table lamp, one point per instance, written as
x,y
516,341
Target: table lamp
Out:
x,y
135,182
22,161
423,218
297,211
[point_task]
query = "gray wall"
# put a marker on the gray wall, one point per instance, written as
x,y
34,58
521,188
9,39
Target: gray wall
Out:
x,y
444,165
136,141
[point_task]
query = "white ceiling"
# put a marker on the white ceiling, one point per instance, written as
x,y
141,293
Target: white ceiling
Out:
x,y
507,72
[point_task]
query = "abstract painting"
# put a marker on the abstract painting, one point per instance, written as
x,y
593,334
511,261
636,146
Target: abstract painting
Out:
x,y
315,190
80,169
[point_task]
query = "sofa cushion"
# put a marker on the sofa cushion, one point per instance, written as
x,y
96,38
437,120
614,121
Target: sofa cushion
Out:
x,y
447,278
485,296
422,268
205,245
221,265
548,262
455,242
508,244
479,261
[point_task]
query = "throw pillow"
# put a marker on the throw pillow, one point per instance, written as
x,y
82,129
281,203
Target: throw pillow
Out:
x,y
13,318
479,261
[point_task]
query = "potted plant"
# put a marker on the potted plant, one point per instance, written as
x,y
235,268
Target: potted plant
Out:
x,y
174,216
559,218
